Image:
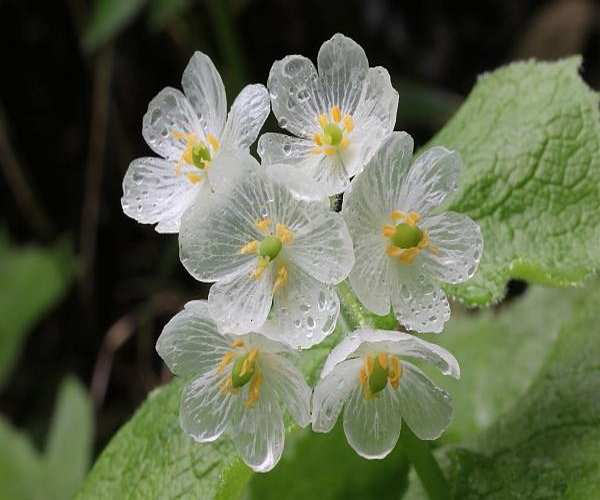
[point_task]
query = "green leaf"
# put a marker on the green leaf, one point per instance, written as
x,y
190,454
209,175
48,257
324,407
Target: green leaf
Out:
x,y
160,12
323,466
69,447
529,135
27,475
546,445
32,281
108,18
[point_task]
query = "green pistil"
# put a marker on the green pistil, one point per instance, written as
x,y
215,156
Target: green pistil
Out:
x,y
269,247
200,155
378,378
406,236
237,379
333,134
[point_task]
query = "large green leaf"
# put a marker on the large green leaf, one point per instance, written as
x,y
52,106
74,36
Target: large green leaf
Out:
x,y
529,135
25,474
32,280
547,444
108,18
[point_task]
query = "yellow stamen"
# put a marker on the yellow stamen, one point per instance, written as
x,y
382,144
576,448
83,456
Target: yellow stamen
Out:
x,y
249,362
317,139
249,248
254,391
389,230
316,150
329,150
193,177
263,225
395,372
336,113
226,386
263,263
323,121
369,364
284,234
383,359
348,123
282,278
227,358
213,141
410,218
237,343
345,143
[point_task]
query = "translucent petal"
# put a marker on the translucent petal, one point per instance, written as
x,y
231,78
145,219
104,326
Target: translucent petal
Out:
x,y
153,193
406,345
378,105
377,191
190,343
458,247
372,426
247,116
229,167
419,304
284,149
332,392
204,88
426,408
323,247
296,95
265,344
370,276
205,410
258,432
241,303
289,385
432,177
341,352
343,68
304,311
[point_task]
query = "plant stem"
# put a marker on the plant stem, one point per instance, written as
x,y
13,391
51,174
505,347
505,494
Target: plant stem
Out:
x,y
426,466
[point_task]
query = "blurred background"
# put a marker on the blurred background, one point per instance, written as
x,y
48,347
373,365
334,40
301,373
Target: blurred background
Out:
x,y
84,290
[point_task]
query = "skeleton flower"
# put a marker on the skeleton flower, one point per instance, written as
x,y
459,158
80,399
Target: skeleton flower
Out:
x,y
271,255
367,375
403,248
239,385
339,117
189,132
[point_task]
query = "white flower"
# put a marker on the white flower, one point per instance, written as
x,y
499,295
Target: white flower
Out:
x,y
270,254
239,385
189,132
340,116
403,247
367,375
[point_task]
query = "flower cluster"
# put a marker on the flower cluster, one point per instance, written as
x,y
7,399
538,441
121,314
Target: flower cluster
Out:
x,y
266,237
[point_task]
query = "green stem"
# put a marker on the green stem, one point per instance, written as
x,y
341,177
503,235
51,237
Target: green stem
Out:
x,y
426,466
355,315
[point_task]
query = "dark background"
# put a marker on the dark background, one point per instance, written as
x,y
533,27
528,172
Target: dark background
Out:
x,y
70,123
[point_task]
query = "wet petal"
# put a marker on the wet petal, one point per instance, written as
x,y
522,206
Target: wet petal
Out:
x,y
241,303
457,244
343,68
378,104
323,247
296,96
290,387
258,433
284,149
169,114
426,408
419,304
190,343
206,410
154,194
432,177
247,116
332,392
204,88
230,167
304,311
341,352
372,426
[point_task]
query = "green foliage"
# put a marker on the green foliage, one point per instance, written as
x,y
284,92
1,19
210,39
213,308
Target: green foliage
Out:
x,y
160,12
32,281
25,474
546,445
109,17
529,135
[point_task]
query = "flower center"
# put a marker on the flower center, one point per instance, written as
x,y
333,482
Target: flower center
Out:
x,y
270,247
377,371
406,236
334,132
406,239
196,153
244,371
